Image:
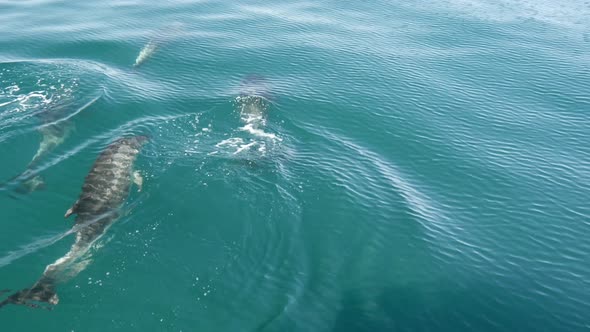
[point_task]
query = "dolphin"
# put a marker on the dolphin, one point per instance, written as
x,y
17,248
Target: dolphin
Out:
x,y
146,52
55,128
253,101
252,108
161,37
106,187
253,104
53,133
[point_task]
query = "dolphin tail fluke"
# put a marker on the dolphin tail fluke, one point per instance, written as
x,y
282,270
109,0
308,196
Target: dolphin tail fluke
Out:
x,y
35,297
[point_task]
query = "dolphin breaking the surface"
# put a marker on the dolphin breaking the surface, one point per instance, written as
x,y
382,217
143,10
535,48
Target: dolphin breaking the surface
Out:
x,y
106,187
253,101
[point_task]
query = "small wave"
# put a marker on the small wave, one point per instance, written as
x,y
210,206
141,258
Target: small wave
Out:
x,y
32,247
570,14
71,115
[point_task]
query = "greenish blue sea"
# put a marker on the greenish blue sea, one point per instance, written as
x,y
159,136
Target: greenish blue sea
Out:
x,y
312,165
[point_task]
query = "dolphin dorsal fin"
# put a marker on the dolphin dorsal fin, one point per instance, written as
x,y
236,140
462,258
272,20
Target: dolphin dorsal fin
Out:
x,y
71,210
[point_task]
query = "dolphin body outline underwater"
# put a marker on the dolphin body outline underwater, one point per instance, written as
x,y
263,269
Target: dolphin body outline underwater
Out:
x,y
55,127
161,37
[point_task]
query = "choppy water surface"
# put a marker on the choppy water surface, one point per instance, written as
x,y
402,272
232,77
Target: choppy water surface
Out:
x,y
312,166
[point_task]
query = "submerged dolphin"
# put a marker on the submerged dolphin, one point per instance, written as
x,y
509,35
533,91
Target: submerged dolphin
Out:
x,y
54,132
161,37
55,128
105,189
253,101
252,108
146,52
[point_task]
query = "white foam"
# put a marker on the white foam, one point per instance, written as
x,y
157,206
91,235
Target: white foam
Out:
x,y
259,132
244,147
31,100
12,89
253,119
7,103
234,141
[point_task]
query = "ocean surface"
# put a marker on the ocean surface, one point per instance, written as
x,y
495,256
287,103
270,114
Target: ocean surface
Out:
x,y
312,165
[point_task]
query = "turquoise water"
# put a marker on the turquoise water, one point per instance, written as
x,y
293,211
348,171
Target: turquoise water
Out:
x,y
415,166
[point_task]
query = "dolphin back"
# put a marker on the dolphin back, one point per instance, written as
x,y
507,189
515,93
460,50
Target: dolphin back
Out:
x,y
107,184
